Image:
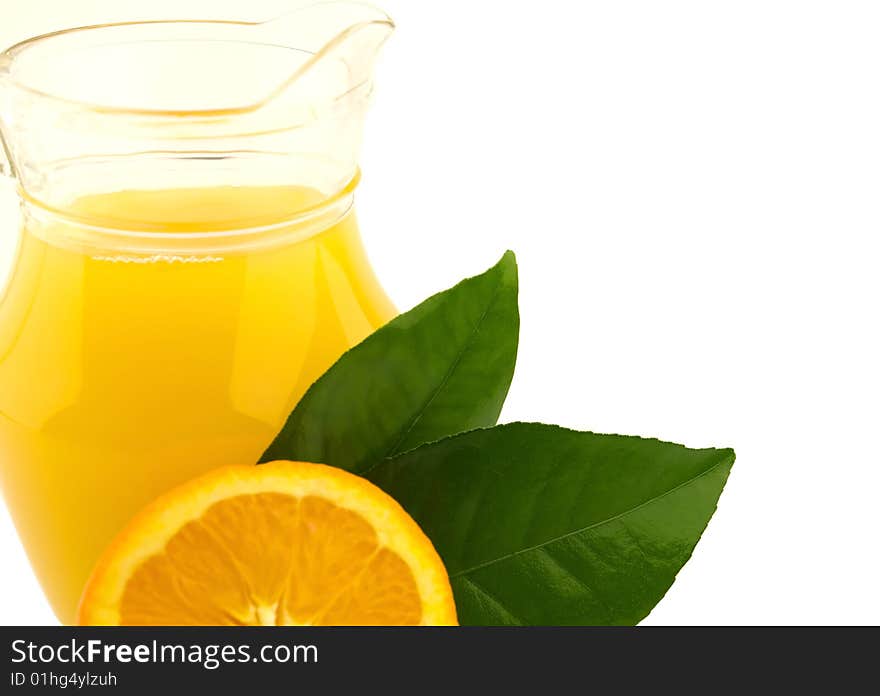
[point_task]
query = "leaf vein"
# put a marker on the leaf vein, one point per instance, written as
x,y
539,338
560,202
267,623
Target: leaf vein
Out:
x,y
449,372
587,528
495,602
578,579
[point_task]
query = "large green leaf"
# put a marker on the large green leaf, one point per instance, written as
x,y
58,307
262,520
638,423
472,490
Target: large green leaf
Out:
x,y
439,369
539,525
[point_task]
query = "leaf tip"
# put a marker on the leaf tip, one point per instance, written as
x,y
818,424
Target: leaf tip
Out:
x,y
508,269
507,260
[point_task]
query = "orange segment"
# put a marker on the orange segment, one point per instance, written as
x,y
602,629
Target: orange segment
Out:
x,y
286,543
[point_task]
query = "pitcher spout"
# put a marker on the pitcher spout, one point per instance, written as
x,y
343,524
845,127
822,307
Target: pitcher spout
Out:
x,y
336,46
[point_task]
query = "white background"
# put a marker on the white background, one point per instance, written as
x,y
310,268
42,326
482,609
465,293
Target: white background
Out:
x,y
692,192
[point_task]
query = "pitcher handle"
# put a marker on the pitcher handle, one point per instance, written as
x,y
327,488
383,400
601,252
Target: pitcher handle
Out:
x,y
7,174
7,171
5,165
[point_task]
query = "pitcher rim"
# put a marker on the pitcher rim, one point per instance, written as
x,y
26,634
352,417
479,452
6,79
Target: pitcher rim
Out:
x,y
8,55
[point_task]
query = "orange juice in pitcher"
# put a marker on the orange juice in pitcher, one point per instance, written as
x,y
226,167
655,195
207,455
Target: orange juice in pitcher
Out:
x,y
188,260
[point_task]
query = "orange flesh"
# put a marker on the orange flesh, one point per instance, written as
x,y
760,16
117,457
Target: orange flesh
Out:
x,y
273,559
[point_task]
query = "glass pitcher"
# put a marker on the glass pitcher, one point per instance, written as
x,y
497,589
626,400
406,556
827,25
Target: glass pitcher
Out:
x,y
188,260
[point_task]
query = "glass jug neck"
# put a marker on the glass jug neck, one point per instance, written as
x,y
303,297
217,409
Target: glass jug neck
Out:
x,y
143,225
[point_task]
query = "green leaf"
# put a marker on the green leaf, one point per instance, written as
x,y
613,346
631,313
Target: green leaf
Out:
x,y
439,369
539,525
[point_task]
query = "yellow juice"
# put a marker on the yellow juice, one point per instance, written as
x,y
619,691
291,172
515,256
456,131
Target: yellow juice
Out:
x,y
122,375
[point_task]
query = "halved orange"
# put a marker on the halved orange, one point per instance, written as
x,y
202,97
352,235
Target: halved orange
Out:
x,y
285,543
